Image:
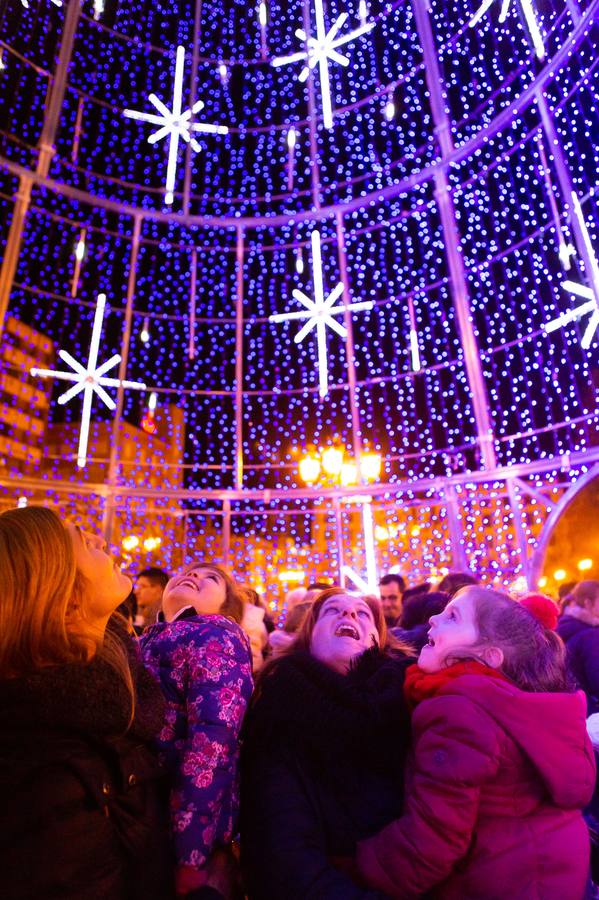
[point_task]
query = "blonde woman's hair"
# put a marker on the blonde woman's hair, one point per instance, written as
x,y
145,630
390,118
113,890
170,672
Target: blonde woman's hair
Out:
x,y
43,600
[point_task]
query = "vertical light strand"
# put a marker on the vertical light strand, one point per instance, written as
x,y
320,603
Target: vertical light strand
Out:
x,y
313,163
239,364
80,248
521,540
195,50
77,130
192,303
414,349
115,443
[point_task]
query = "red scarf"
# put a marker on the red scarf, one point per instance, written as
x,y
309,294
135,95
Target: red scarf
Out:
x,y
419,685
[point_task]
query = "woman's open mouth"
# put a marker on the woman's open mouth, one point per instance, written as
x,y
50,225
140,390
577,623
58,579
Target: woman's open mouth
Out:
x,y
188,583
347,630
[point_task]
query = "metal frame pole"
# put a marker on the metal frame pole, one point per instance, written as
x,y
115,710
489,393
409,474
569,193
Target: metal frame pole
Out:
x,y
226,532
45,154
339,541
192,99
566,186
113,463
459,285
314,170
517,515
366,513
239,365
456,531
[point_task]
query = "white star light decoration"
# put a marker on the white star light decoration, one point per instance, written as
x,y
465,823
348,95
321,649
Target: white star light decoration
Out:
x,y
529,14
90,379
319,313
589,294
175,124
319,50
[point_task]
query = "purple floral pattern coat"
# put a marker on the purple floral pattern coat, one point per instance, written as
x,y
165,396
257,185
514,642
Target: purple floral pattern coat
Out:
x,y
204,665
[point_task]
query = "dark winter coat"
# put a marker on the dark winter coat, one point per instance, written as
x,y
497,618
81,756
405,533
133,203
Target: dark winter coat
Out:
x,y
493,797
582,643
321,768
83,810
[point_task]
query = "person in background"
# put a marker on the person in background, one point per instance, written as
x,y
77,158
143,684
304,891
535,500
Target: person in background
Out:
x,y
253,624
578,628
412,593
391,589
564,593
455,581
202,658
322,754
501,764
84,809
128,610
282,636
149,587
414,621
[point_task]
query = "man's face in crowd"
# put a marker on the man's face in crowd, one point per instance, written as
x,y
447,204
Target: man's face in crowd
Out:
x,y
149,599
391,600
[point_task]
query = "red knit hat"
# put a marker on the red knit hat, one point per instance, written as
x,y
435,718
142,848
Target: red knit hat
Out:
x,y
542,608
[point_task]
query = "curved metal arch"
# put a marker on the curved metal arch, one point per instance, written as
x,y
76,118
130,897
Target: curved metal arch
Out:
x,y
502,120
538,557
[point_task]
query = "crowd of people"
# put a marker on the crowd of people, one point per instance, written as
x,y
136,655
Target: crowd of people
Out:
x,y
168,739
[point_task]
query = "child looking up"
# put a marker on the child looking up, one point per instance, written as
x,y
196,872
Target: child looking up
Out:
x,y
501,764
202,659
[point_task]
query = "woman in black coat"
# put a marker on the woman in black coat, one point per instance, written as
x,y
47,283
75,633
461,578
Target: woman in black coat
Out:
x,y
83,814
323,753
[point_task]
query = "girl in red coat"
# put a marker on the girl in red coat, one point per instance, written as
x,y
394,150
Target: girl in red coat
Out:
x,y
501,764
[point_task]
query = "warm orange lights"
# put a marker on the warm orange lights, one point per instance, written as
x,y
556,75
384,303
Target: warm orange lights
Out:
x,y
309,469
338,468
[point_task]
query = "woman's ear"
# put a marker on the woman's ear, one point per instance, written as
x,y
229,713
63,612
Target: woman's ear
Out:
x,y
493,657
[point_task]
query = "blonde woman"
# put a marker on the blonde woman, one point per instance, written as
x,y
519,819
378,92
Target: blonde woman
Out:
x,y
82,814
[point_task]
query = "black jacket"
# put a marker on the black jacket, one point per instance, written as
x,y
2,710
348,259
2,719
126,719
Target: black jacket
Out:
x,y
582,643
322,767
83,811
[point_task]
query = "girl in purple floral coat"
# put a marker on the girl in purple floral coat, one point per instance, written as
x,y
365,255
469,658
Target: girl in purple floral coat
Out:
x,y
202,659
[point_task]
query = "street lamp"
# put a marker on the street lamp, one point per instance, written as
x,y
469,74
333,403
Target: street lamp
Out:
x,y
338,469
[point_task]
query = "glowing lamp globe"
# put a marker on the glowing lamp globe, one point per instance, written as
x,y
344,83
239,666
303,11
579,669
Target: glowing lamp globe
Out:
x,y
309,469
349,474
332,460
370,466
131,542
